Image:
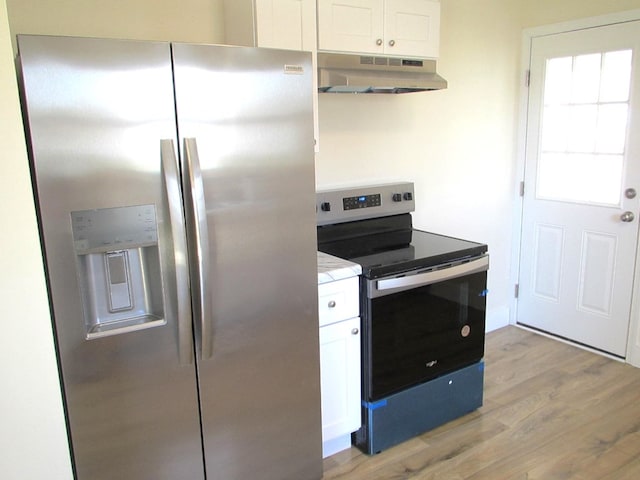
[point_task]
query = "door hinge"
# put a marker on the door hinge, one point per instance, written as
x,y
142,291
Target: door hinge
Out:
x,y
522,189
516,290
527,78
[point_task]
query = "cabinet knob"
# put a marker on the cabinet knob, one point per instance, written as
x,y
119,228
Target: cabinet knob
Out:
x,y
392,43
379,42
354,331
332,304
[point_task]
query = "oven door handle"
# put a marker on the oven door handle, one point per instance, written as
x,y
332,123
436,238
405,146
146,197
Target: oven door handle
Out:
x,y
393,285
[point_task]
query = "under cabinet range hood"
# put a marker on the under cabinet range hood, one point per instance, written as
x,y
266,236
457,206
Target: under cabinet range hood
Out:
x,y
354,73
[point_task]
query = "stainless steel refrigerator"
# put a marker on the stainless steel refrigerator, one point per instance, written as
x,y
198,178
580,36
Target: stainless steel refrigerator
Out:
x,y
176,200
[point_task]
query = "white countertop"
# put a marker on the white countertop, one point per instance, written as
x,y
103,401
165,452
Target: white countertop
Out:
x,y
332,268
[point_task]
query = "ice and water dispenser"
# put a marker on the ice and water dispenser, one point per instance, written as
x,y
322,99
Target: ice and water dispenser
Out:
x,y
118,266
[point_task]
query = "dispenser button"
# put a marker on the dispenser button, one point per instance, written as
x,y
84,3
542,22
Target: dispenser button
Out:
x,y
117,266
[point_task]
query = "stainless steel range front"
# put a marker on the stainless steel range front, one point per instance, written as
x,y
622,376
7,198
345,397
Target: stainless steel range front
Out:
x,y
423,301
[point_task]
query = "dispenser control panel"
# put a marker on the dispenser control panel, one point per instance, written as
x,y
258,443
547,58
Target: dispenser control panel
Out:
x,y
114,228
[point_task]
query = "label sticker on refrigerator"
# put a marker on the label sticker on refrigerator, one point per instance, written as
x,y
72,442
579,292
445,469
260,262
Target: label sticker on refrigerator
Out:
x,y
293,69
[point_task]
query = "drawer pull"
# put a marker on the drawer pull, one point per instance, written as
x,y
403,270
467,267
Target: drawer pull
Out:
x,y
354,331
332,304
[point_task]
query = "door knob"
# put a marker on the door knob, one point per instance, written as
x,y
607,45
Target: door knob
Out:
x,y
392,43
627,217
379,42
630,193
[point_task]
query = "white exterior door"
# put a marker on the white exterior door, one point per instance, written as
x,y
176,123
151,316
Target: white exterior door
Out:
x,y
582,167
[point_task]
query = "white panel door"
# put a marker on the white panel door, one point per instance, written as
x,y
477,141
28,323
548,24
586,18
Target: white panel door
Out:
x,y
580,215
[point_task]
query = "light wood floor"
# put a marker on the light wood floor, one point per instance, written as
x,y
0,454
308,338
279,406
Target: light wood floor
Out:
x,y
551,411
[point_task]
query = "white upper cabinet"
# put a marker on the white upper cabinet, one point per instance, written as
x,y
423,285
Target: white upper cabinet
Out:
x,y
409,28
285,24
351,25
288,24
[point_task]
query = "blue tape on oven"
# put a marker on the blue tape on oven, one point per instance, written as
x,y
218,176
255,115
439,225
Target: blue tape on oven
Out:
x,y
374,405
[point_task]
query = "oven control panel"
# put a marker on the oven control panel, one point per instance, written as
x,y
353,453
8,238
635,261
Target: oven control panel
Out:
x,y
339,205
362,201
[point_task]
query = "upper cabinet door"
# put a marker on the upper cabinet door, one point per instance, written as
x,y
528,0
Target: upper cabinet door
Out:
x,y
351,25
409,28
284,24
288,24
412,28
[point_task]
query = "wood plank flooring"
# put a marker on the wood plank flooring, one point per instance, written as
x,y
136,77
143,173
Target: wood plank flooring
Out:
x,y
551,411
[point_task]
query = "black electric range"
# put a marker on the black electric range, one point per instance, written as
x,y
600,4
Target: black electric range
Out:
x,y
422,305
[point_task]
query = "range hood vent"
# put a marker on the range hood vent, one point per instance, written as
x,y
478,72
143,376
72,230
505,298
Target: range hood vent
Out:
x,y
352,73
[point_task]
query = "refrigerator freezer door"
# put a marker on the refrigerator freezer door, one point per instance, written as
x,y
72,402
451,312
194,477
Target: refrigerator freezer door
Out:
x,y
251,119
171,177
96,113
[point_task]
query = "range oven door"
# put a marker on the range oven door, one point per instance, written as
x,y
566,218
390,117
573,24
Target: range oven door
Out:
x,y
420,325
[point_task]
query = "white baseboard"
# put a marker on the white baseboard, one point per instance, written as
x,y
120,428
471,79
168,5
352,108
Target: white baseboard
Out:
x,y
497,318
335,445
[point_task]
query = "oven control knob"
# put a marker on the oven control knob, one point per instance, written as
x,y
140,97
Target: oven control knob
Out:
x,y
325,206
396,197
407,196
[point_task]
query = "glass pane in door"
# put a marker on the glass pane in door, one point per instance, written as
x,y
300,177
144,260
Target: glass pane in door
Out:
x,y
584,125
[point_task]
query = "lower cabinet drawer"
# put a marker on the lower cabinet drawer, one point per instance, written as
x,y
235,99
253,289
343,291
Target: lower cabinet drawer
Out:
x,y
338,300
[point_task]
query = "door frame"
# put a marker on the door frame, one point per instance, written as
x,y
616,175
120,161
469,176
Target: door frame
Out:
x,y
528,34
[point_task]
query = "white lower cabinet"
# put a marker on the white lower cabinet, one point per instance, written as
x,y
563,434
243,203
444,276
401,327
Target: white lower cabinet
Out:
x,y
339,363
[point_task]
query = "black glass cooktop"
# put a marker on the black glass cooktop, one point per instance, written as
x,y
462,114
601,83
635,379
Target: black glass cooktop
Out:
x,y
389,245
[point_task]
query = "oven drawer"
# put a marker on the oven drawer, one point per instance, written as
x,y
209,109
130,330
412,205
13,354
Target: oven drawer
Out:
x,y
338,300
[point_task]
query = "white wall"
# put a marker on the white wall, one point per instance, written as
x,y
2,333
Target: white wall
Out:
x,y
545,12
33,440
177,20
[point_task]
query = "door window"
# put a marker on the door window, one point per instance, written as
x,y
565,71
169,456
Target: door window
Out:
x,y
584,126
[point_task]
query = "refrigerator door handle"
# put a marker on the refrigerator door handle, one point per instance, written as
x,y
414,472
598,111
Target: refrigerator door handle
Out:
x,y
180,295
197,214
